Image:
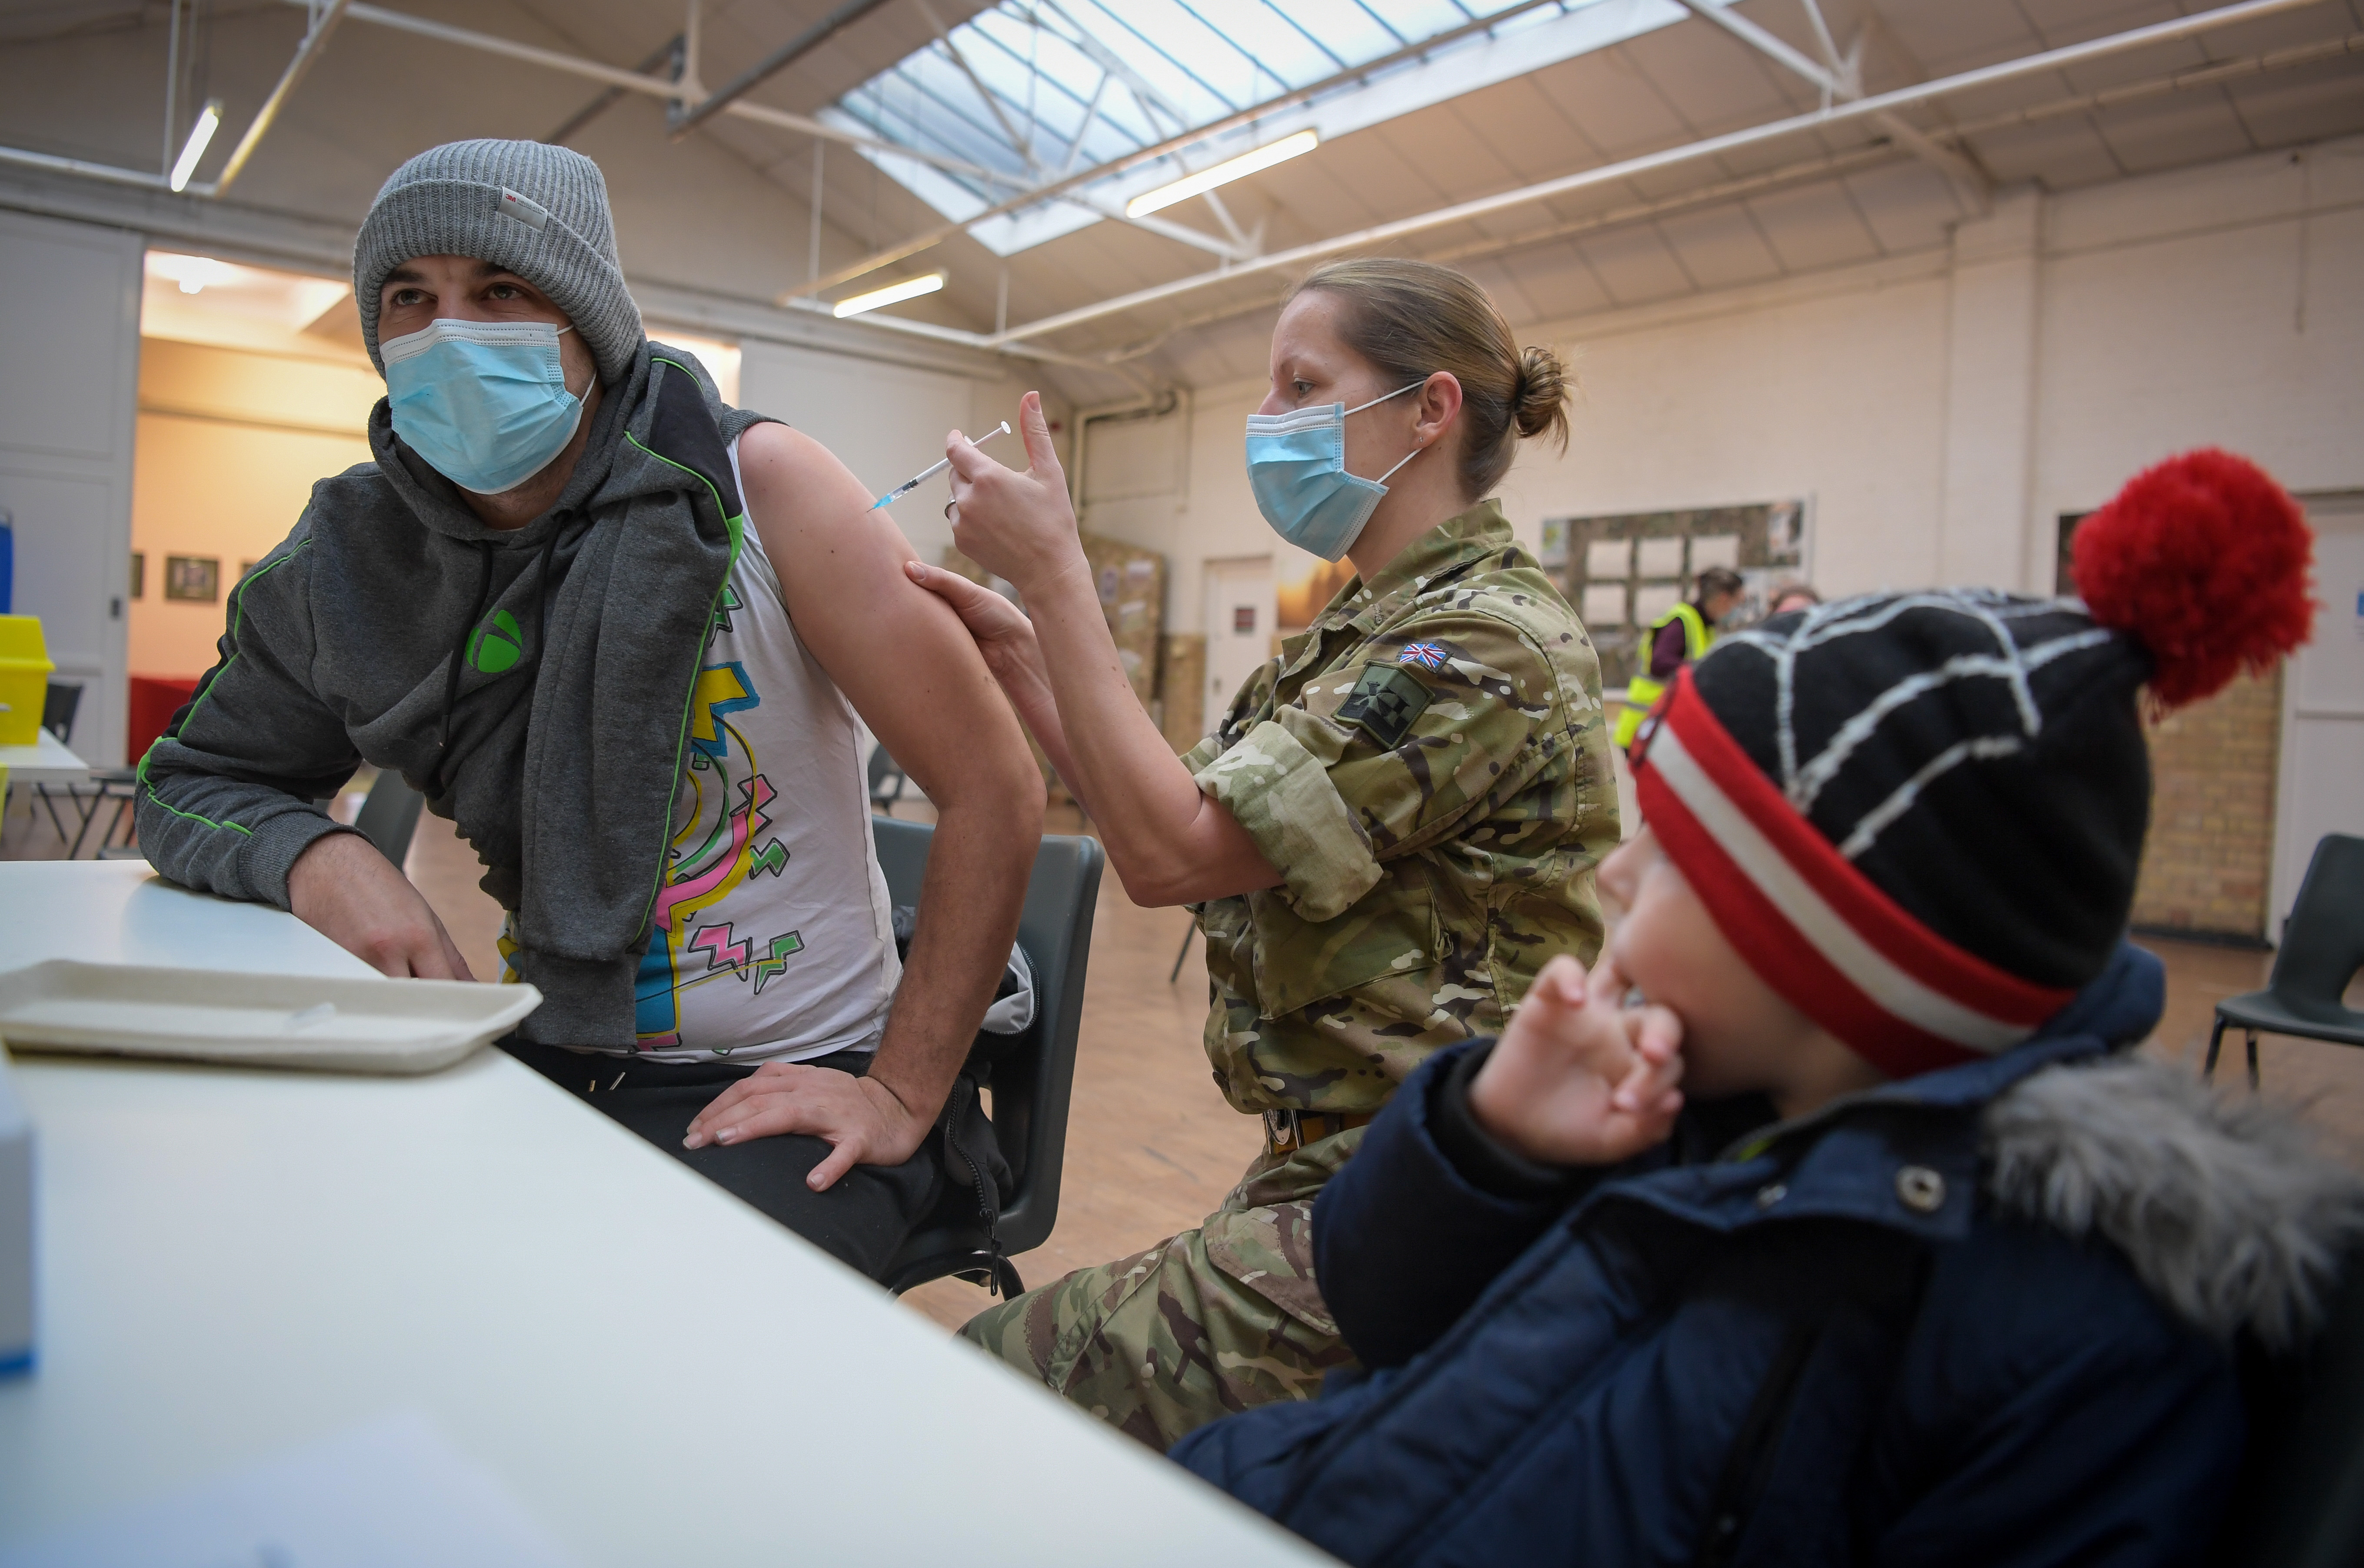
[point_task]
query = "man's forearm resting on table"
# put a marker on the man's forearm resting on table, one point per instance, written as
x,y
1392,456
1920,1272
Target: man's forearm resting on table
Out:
x,y
204,827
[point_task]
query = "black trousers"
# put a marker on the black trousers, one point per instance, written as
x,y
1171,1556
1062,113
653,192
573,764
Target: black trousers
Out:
x,y
861,1220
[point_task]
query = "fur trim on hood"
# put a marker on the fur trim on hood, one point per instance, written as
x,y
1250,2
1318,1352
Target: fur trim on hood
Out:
x,y
2225,1207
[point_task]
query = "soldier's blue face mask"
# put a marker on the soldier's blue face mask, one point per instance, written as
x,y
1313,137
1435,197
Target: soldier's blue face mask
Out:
x,y
484,401
1297,466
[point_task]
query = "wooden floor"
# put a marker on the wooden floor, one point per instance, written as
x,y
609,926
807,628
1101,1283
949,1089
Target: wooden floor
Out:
x,y
1152,1146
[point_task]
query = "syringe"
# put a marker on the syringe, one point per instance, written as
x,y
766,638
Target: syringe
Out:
x,y
930,472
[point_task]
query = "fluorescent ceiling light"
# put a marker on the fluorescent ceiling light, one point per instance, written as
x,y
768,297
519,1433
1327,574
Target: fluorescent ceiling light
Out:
x,y
893,294
201,136
1223,173
192,273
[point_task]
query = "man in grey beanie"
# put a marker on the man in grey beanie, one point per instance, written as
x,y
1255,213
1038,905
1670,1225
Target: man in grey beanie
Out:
x,y
610,627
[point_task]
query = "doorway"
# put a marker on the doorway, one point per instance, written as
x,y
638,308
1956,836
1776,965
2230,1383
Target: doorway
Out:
x,y
1238,627
2322,783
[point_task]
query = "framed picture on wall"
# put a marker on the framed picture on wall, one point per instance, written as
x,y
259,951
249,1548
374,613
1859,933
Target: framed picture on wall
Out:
x,y
1623,570
194,578
139,572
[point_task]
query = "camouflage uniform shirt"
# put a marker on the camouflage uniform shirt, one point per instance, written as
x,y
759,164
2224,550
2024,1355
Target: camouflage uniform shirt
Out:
x,y
1427,765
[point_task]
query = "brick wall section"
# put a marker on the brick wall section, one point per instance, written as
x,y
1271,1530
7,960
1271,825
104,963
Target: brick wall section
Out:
x,y
2211,827
2211,831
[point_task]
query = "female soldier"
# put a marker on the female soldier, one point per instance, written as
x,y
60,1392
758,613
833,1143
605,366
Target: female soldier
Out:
x,y
1394,826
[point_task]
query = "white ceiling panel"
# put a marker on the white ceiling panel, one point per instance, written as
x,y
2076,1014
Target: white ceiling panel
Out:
x,y
1527,131
1814,226
1453,163
1558,281
1503,284
2166,133
1634,264
1909,207
2059,152
1721,247
2310,105
1942,37
1709,78
1613,105
2058,22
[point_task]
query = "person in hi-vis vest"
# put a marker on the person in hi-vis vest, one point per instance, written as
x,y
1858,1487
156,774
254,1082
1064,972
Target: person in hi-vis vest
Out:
x,y
1677,639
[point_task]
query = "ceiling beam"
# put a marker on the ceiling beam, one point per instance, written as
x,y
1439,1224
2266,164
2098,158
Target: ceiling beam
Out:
x,y
307,54
654,87
1844,84
1689,152
772,64
1836,84
674,49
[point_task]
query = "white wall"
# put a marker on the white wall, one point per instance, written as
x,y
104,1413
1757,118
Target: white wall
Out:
x,y
886,422
70,348
1940,409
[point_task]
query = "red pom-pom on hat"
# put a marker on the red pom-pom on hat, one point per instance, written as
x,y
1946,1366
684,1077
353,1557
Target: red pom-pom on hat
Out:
x,y
2203,561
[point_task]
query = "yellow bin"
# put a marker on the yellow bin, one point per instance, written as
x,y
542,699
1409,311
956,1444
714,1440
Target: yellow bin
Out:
x,y
25,669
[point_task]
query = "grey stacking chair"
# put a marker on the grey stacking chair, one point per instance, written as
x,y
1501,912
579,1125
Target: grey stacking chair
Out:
x,y
2323,946
1033,1075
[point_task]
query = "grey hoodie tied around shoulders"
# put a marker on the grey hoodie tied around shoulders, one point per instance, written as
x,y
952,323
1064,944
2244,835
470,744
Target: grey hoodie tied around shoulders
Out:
x,y
534,684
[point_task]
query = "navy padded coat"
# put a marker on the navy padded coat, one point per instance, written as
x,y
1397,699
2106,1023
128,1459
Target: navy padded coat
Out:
x,y
1905,1330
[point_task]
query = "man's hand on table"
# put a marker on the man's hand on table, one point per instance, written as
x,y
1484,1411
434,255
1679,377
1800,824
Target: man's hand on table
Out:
x,y
344,889
861,1118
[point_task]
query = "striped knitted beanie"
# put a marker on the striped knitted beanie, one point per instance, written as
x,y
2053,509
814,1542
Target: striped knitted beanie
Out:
x,y
539,210
1919,816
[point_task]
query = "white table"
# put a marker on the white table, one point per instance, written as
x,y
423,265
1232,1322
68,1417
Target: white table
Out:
x,y
45,762
237,1262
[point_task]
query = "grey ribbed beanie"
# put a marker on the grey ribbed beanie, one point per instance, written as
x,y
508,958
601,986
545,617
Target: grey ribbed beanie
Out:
x,y
539,210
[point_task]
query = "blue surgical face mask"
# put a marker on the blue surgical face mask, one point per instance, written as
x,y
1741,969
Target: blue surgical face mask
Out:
x,y
1297,466
484,401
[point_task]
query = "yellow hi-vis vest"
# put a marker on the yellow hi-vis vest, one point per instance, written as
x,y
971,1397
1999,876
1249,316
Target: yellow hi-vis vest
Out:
x,y
1642,693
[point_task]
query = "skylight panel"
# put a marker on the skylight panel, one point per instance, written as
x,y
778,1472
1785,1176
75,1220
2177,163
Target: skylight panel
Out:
x,y
1342,29
1038,90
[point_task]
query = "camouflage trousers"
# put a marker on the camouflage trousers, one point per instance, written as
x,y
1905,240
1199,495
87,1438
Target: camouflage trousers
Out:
x,y
1215,1321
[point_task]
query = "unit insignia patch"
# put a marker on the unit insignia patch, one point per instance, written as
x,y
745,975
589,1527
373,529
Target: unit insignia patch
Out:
x,y
1385,703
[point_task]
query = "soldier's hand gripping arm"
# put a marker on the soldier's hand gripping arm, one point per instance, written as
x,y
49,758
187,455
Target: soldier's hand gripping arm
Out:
x,y
1168,842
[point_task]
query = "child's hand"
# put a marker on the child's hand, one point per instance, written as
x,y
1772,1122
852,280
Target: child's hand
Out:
x,y
1580,1078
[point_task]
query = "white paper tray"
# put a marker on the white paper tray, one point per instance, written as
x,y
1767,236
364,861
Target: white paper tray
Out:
x,y
357,1024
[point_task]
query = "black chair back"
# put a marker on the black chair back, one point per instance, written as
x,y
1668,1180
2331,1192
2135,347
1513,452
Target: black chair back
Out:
x,y
2323,941
389,816
1033,1073
2300,1501
59,706
885,777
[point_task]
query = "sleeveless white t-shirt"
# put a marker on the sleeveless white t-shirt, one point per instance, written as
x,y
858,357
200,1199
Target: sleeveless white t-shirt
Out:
x,y
773,939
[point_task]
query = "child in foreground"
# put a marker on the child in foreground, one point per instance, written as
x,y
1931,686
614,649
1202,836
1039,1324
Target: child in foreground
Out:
x,y
1826,1221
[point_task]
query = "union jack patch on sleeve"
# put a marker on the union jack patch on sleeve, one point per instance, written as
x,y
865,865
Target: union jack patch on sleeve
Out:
x,y
1427,655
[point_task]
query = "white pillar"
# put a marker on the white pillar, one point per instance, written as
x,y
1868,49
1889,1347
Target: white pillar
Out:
x,y
1983,527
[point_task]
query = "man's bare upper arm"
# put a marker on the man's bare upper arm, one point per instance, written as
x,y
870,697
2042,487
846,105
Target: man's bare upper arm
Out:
x,y
897,651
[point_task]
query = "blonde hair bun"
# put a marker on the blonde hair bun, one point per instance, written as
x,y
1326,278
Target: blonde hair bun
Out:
x,y
1542,397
